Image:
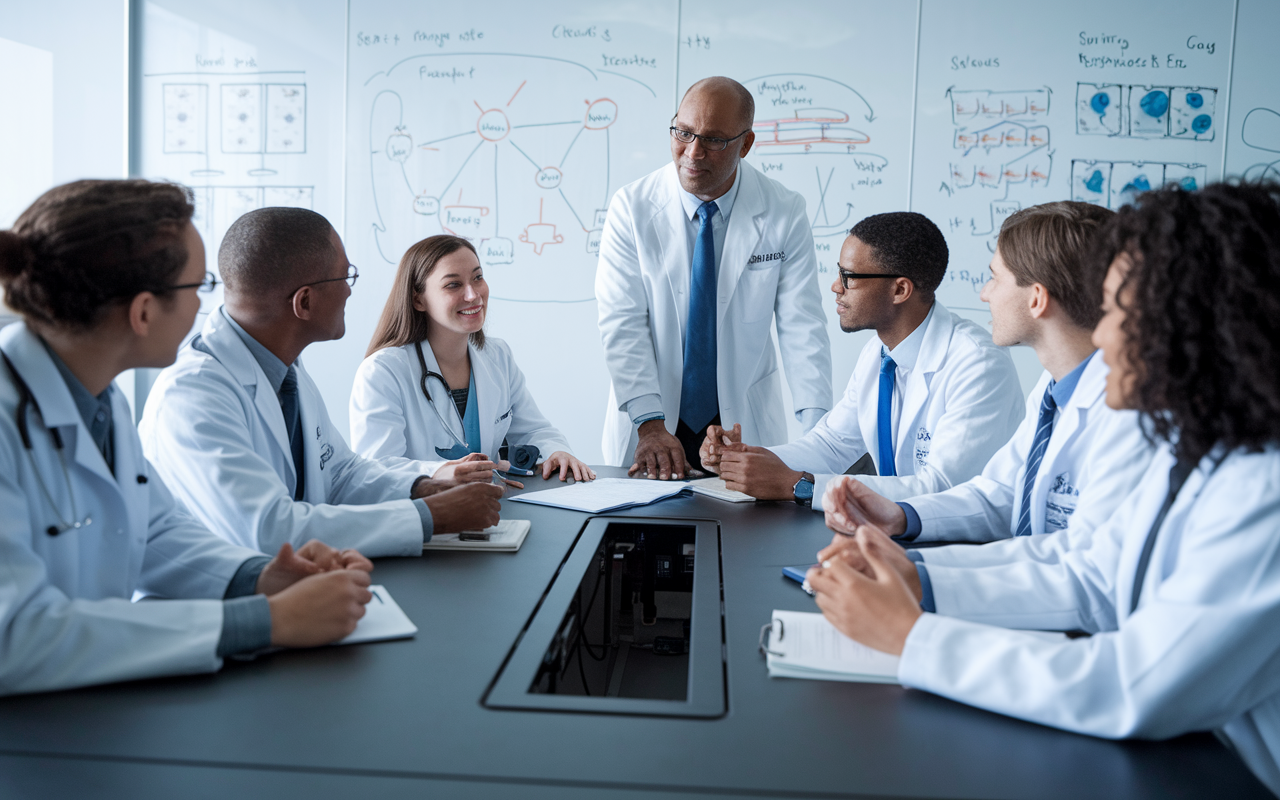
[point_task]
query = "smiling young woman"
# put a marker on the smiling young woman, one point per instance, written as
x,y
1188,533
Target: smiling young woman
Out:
x,y
433,390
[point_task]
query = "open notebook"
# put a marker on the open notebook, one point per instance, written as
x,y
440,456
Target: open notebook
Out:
x,y
798,644
505,537
383,619
714,487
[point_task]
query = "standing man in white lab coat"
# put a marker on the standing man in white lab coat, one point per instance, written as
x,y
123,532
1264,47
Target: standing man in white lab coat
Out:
x,y
1071,451
696,261
240,432
931,397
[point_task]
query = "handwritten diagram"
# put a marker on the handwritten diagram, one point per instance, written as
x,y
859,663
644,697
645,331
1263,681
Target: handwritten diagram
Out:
x,y
513,153
1261,131
1147,112
1117,183
253,119
812,135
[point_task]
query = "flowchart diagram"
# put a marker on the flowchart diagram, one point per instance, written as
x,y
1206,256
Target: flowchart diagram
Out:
x,y
1146,112
1117,183
516,157
811,134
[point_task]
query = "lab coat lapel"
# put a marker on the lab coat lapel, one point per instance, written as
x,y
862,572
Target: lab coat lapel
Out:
x,y
667,231
933,352
1093,382
440,398
226,346
51,395
746,229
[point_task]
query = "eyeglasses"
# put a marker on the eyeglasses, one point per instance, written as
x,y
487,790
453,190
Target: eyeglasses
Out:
x,y
203,287
350,278
847,277
713,143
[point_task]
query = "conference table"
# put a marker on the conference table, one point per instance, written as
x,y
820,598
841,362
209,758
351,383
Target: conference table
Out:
x,y
407,718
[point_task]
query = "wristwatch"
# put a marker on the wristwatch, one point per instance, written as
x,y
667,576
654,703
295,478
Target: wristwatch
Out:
x,y
803,490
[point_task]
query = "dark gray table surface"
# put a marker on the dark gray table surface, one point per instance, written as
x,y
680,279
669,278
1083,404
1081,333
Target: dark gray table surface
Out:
x,y
404,718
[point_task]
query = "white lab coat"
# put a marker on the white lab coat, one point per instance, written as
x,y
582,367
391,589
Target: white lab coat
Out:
x,y
213,428
961,402
642,288
1200,652
65,613
1094,458
392,420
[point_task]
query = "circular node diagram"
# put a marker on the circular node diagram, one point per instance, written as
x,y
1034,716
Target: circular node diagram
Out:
x,y
511,152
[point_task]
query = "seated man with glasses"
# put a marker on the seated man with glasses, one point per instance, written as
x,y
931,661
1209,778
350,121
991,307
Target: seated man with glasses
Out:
x,y
240,432
697,260
931,398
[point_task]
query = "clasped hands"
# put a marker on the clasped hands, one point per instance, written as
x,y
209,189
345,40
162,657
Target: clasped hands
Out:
x,y
316,593
864,583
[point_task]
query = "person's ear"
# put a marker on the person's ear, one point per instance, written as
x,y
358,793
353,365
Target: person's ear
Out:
x,y
141,312
302,303
420,302
1039,301
747,141
903,290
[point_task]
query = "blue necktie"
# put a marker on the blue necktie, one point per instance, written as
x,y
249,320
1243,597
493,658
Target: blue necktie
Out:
x,y
293,424
884,416
1040,443
699,401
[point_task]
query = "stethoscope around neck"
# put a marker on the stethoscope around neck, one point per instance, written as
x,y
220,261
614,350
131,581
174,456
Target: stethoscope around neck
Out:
x,y
452,453
26,400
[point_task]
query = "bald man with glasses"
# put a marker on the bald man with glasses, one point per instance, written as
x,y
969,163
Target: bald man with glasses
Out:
x,y
700,261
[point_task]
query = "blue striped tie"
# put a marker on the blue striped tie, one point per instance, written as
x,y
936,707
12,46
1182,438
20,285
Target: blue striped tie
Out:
x,y
884,416
699,398
1044,429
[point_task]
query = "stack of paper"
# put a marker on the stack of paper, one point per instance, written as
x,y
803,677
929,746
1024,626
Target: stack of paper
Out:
x,y
382,619
603,494
505,537
805,645
714,487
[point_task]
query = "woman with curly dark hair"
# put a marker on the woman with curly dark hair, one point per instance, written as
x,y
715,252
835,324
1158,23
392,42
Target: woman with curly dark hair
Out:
x,y
1180,588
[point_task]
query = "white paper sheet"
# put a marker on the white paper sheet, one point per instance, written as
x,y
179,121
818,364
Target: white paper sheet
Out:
x,y
603,494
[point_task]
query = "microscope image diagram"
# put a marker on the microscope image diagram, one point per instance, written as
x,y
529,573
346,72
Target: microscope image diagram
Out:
x,y
513,153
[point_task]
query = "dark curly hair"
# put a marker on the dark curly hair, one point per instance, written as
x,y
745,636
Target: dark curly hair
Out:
x,y
907,244
85,245
1202,313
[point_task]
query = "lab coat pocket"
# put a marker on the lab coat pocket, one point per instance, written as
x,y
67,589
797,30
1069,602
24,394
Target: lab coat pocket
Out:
x,y
501,425
757,289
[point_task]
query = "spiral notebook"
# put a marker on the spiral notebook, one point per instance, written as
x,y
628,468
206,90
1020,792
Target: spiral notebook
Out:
x,y
799,644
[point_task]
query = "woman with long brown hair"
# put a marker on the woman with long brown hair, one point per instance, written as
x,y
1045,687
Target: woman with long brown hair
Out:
x,y
433,390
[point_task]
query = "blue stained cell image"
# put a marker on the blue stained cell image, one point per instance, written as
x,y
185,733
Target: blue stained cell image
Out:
x,y
1154,104
1202,123
1099,103
1195,99
1188,183
1138,184
1094,183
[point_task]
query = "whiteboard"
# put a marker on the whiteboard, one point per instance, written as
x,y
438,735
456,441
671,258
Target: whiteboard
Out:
x,y
513,123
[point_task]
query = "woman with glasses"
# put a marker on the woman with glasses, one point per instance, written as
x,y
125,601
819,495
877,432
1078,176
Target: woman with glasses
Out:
x,y
434,392
105,275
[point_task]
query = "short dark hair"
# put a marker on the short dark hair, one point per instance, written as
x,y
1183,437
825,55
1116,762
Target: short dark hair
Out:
x,y
908,244
1051,244
1202,321
83,246
270,250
